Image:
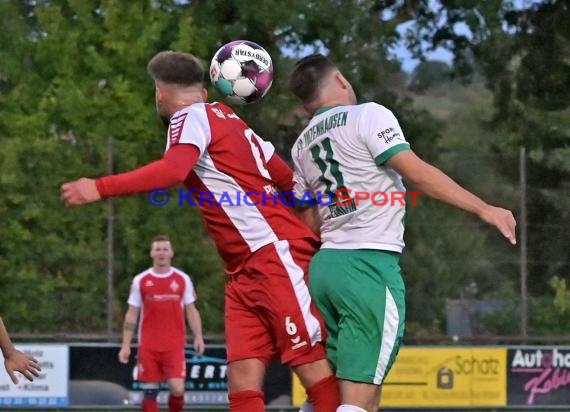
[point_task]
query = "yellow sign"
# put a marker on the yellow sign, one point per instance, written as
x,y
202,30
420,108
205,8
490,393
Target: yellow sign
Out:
x,y
442,376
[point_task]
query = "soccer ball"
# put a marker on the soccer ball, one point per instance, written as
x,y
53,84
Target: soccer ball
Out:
x,y
242,72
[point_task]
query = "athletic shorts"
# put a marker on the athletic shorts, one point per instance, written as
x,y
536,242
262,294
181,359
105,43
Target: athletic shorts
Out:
x,y
361,295
154,366
268,309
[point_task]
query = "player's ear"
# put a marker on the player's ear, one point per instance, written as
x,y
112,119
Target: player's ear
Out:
x,y
161,91
204,94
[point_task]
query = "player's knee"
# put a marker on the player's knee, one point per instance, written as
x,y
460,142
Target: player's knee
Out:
x,y
246,375
177,391
313,372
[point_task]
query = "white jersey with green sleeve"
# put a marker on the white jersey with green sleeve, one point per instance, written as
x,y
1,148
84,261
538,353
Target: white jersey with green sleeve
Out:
x,y
344,149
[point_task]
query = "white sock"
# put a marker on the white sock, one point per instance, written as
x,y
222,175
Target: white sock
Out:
x,y
349,408
306,407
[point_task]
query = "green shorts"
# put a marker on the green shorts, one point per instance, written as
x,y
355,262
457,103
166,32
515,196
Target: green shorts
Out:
x,y
361,295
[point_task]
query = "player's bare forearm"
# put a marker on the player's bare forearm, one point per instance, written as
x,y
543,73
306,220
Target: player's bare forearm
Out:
x,y
128,332
433,182
5,342
194,320
309,216
438,185
130,325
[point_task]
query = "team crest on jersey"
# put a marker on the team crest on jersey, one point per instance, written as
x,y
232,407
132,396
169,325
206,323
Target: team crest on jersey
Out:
x,y
174,286
149,283
175,129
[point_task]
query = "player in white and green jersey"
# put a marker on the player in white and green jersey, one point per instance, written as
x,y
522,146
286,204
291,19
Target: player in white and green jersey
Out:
x,y
348,154
343,151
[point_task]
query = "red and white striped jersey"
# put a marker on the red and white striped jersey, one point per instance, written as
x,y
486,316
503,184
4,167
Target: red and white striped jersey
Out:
x,y
233,162
161,298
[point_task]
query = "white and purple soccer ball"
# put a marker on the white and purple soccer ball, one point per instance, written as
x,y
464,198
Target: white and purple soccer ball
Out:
x,y
242,71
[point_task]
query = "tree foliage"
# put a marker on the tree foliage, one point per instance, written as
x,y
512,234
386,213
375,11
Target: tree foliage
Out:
x,y
73,78
77,82
522,52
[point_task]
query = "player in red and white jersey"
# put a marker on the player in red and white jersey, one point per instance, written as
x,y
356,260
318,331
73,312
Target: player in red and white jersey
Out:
x,y
233,161
163,296
266,248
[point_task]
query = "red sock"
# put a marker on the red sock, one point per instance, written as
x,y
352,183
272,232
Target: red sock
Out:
x,y
324,395
247,401
149,405
175,403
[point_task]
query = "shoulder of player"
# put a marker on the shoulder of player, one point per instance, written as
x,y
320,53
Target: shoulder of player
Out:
x,y
177,271
371,113
373,107
218,110
202,110
218,105
142,274
195,109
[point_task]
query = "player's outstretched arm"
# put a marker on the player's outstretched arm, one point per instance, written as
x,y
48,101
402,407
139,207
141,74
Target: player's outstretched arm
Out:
x,y
438,185
15,360
169,171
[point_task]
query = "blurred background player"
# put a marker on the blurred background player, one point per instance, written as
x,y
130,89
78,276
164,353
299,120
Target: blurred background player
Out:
x,y
163,295
355,277
266,248
15,360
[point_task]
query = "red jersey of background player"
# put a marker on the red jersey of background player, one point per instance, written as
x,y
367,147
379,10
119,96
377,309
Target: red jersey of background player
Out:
x,y
161,298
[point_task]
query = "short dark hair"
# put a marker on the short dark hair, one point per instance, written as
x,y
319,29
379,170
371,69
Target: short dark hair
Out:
x,y
307,75
176,68
160,238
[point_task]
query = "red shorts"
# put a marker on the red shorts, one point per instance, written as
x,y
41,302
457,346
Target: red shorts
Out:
x,y
154,366
269,311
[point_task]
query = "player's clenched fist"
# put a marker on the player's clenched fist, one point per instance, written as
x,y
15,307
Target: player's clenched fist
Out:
x,y
124,354
79,192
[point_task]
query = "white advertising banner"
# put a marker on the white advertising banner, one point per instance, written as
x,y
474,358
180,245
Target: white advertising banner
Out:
x,y
50,389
